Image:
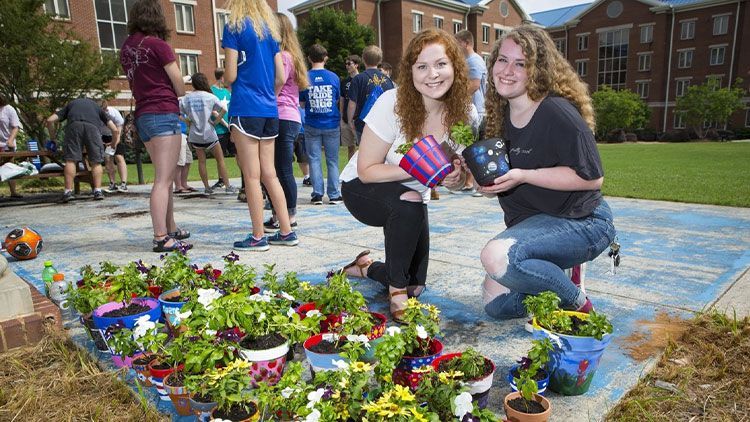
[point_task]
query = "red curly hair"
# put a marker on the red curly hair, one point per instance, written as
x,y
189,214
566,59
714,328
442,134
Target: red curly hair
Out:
x,y
410,108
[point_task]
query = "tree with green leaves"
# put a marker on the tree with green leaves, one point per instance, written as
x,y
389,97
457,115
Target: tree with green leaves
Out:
x,y
44,65
709,103
622,109
338,32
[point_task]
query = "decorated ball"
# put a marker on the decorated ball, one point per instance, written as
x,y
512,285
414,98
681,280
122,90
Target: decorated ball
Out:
x,y
23,243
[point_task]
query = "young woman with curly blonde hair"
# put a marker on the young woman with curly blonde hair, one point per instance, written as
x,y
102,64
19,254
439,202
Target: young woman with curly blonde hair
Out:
x,y
432,95
555,215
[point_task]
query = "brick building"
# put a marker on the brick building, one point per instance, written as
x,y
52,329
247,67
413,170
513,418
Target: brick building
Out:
x,y
196,31
396,21
656,48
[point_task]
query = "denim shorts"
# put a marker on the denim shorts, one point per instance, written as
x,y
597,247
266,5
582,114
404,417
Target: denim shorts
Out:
x,y
151,125
261,128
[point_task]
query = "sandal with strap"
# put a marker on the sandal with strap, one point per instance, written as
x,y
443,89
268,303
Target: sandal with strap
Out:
x,y
160,245
361,267
398,314
179,234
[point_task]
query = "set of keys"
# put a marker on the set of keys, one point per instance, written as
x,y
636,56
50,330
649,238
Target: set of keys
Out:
x,y
614,253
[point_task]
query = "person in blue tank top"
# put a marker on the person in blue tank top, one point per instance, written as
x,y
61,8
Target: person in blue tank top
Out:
x,y
255,71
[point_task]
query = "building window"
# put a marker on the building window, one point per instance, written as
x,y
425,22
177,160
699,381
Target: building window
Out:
x,y
721,24
582,67
457,26
184,17
486,58
504,10
498,33
112,23
485,34
647,33
685,59
221,20
679,122
57,8
682,87
717,55
644,62
561,44
416,21
438,22
642,88
613,58
687,30
714,81
188,64
747,117
583,42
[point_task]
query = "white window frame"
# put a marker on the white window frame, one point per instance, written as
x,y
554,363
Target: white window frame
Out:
x,y
185,58
719,78
679,121
687,29
56,13
644,61
681,86
720,52
582,67
485,33
182,26
499,31
222,16
685,58
647,33
438,21
486,58
111,22
721,24
417,21
562,45
457,26
642,87
583,41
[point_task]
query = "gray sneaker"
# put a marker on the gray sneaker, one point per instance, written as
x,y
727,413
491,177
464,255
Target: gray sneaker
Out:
x,y
68,196
111,189
123,187
230,189
208,191
98,195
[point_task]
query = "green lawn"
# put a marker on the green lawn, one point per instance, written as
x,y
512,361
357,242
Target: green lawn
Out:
x,y
696,172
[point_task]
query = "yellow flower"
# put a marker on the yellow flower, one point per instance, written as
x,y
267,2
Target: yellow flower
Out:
x,y
387,378
416,416
360,367
336,394
389,410
343,383
403,393
445,377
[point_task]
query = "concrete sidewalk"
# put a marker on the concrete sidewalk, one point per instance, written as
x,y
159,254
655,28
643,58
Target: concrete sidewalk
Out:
x,y
676,259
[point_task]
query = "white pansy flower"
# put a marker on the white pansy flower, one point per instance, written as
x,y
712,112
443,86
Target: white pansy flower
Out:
x,y
287,392
287,296
463,405
360,339
313,313
211,332
184,315
314,397
421,332
341,364
328,336
207,296
290,312
142,326
392,331
262,316
262,297
314,416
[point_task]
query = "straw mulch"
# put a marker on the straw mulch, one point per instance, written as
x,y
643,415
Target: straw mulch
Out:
x,y
56,381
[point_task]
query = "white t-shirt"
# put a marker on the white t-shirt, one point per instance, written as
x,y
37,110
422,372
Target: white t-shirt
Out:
x,y
382,120
8,121
198,106
116,118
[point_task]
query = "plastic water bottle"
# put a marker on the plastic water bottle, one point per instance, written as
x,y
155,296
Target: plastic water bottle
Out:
x,y
36,160
58,292
47,273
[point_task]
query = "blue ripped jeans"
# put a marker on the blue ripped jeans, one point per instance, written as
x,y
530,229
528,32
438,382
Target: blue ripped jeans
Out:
x,y
538,250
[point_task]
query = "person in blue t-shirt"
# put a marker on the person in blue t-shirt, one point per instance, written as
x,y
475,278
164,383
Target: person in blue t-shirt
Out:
x,y
255,71
322,129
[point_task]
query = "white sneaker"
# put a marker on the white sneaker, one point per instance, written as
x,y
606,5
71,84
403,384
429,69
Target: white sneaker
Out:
x,y
111,189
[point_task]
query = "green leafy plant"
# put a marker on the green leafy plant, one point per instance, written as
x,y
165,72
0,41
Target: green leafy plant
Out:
x,y
287,398
344,391
471,363
461,134
547,313
175,271
227,386
397,404
236,277
530,365
127,282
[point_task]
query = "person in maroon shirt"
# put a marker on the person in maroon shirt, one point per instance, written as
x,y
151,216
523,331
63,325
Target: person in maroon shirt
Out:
x,y
155,80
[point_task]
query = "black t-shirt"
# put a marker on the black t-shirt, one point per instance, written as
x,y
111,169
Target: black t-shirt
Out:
x,y
555,136
345,84
360,88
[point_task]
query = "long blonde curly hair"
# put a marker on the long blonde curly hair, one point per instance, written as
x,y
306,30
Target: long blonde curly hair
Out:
x,y
290,44
260,14
548,72
410,107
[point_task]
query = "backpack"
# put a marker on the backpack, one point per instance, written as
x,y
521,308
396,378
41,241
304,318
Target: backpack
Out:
x,y
376,91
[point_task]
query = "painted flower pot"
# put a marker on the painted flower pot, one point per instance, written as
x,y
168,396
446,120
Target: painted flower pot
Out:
x,y
514,415
266,365
426,162
304,308
124,361
179,395
320,361
413,362
202,410
375,336
102,322
140,366
487,160
541,385
477,387
574,360
158,375
252,416
94,333
171,309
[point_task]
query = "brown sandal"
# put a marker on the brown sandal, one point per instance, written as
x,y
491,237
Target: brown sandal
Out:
x,y
361,267
398,314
